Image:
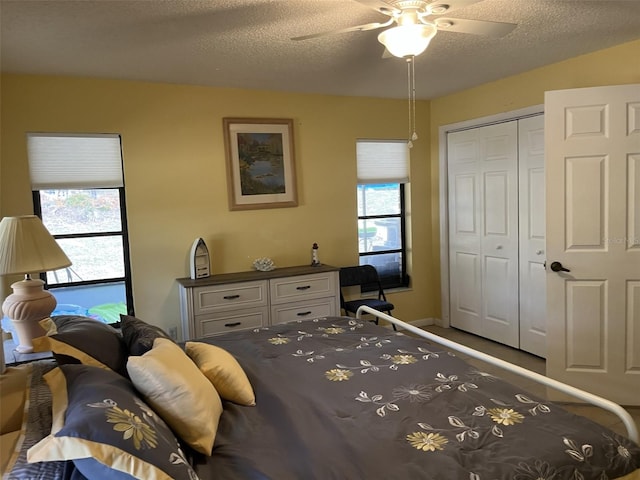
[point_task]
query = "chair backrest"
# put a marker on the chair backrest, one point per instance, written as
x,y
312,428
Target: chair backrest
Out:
x,y
364,275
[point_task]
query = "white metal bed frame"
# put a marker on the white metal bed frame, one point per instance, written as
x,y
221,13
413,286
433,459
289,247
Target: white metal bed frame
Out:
x,y
616,409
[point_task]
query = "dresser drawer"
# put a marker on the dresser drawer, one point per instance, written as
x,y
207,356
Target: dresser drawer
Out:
x,y
302,287
305,310
246,300
230,296
215,324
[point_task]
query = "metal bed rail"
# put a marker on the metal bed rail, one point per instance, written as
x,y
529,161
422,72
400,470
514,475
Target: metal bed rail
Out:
x,y
603,403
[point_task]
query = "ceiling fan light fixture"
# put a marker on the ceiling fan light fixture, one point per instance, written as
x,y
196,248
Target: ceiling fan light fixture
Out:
x,y
407,40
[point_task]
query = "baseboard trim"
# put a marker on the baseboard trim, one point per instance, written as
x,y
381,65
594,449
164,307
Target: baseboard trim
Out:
x,y
421,322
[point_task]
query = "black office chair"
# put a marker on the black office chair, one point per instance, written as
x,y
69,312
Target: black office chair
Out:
x,y
365,276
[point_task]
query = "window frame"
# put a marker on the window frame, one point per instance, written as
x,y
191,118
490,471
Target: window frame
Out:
x,y
83,162
387,281
123,232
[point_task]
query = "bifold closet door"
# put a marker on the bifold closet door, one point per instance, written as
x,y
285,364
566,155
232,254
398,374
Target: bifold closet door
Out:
x,y
531,192
483,231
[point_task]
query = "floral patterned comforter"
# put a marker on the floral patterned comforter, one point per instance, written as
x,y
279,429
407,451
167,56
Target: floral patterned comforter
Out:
x,y
340,398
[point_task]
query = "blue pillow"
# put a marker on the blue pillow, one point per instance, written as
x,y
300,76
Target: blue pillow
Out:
x,y
101,424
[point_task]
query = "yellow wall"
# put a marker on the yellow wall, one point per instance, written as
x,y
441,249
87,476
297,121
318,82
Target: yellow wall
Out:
x,y
175,176
175,167
614,66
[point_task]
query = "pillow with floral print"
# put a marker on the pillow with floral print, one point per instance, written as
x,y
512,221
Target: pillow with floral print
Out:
x,y
100,423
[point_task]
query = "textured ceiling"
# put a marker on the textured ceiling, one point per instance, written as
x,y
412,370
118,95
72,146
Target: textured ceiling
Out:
x,y
247,43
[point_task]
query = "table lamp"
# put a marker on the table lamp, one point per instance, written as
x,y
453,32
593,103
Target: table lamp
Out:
x,y
27,247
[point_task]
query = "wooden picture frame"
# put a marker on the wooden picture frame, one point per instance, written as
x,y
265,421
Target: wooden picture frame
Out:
x,y
260,163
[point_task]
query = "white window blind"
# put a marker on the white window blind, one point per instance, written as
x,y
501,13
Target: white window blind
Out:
x,y
66,161
382,161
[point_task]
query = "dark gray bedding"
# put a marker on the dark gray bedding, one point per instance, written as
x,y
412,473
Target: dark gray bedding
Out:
x,y
339,398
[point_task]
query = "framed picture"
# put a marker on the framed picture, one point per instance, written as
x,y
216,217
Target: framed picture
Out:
x,y
260,163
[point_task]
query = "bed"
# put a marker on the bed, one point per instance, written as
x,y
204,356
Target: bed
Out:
x,y
330,398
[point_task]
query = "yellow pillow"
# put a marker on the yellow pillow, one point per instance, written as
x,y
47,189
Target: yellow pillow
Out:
x,y
223,371
178,392
14,392
14,383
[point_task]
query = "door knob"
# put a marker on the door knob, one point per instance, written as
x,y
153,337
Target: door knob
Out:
x,y
557,267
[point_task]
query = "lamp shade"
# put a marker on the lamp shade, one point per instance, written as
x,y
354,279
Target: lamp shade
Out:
x,y
407,40
26,246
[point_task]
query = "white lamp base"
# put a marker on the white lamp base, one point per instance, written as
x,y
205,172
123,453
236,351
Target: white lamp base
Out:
x,y
26,306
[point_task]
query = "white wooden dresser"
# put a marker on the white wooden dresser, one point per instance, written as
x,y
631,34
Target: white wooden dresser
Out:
x,y
236,301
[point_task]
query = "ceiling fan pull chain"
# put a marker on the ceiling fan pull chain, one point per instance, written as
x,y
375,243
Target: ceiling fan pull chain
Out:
x,y
411,94
414,135
410,143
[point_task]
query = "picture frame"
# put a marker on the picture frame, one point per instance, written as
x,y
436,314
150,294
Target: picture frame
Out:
x,y
260,163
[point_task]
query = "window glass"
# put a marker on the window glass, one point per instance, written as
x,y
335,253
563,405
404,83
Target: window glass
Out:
x,y
383,199
81,211
102,301
87,224
388,265
92,258
381,231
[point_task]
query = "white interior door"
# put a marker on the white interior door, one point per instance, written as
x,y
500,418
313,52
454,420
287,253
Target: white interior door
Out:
x,y
531,193
593,228
483,231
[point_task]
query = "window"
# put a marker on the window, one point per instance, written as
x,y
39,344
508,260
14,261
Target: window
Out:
x,y
78,191
382,174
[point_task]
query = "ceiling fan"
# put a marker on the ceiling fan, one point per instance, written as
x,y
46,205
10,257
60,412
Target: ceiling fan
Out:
x,y
417,22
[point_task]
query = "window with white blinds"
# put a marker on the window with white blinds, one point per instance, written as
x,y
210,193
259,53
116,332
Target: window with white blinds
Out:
x,y
382,161
68,161
383,171
78,191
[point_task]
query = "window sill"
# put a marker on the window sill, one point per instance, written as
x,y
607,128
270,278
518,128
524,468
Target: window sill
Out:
x,y
387,291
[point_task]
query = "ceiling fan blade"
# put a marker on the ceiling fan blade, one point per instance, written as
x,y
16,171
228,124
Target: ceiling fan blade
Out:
x,y
474,27
382,6
358,28
449,6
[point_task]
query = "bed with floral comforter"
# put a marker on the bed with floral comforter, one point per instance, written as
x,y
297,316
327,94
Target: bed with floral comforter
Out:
x,y
340,398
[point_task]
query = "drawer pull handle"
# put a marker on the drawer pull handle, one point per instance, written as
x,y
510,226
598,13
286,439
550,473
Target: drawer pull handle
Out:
x,y
235,324
305,287
304,314
231,297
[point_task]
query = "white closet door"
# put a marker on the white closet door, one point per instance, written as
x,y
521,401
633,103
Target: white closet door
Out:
x,y
483,231
533,322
